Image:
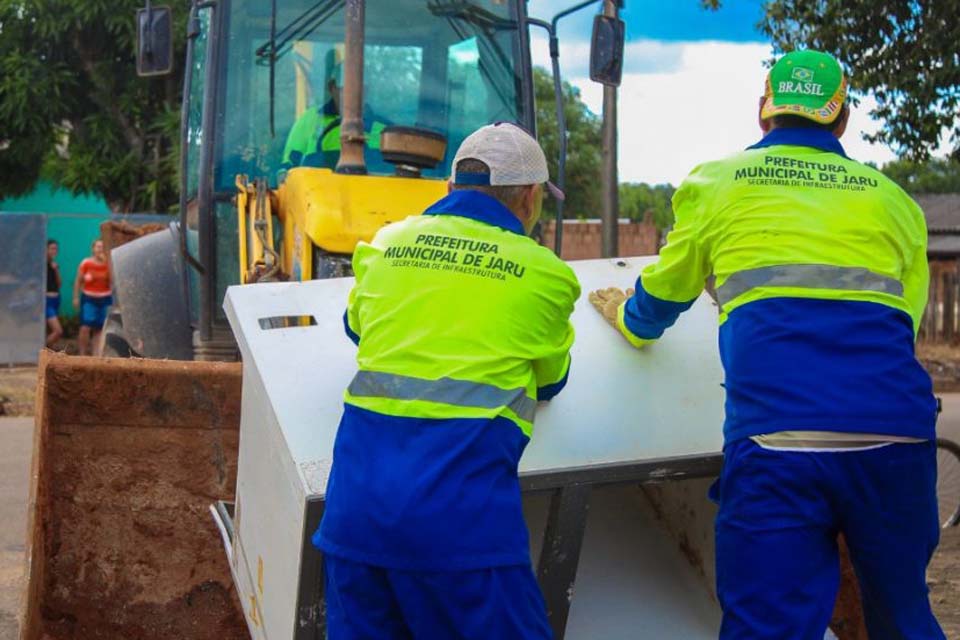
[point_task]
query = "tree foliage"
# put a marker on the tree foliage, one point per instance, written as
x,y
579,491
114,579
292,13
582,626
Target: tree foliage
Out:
x,y
583,145
638,200
902,52
933,176
68,75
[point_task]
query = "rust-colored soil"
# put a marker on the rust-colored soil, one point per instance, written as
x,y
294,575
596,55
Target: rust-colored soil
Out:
x,y
131,455
115,233
207,612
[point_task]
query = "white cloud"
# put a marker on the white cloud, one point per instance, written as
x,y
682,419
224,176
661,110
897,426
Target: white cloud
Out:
x,y
692,102
640,56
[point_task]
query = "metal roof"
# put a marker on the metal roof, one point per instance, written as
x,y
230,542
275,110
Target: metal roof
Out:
x,y
942,212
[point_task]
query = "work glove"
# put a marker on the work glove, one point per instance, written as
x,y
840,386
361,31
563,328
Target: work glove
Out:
x,y
607,302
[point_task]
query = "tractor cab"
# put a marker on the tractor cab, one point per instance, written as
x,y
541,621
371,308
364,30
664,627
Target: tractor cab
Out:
x,y
267,83
308,125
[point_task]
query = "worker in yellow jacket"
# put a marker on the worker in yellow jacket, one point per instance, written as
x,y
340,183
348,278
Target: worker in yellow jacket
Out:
x,y
821,277
314,138
463,325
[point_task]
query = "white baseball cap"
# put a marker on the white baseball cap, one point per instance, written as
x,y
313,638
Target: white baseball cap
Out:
x,y
513,156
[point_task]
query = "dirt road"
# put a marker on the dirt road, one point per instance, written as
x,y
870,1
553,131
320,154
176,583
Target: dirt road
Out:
x,y
17,387
944,580
15,439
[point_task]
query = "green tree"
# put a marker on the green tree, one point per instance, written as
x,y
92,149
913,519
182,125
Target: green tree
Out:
x,y
639,199
902,52
67,75
583,145
933,176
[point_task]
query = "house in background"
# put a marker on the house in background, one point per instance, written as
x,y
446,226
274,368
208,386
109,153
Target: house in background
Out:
x,y
942,212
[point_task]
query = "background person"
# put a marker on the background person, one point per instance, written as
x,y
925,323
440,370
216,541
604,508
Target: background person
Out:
x,y
314,139
54,282
92,296
821,276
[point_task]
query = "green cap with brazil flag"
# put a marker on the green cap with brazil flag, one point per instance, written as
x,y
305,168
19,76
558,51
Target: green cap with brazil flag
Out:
x,y
809,84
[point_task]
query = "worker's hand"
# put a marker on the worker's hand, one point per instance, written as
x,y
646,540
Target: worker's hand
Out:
x,y
607,302
76,302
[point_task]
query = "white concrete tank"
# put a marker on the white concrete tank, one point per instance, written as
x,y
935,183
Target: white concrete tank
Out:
x,y
626,418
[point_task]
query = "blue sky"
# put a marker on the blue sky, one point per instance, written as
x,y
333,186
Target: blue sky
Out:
x,y
668,20
692,80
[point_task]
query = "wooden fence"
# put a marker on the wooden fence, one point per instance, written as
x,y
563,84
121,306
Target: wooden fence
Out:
x,y
939,325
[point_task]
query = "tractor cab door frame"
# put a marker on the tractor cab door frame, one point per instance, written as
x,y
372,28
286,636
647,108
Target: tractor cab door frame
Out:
x,y
525,68
198,139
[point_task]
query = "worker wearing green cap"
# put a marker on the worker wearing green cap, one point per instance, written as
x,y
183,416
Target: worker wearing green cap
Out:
x,y
820,271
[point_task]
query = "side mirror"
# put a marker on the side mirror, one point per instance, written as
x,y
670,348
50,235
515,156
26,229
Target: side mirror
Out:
x,y
606,50
154,41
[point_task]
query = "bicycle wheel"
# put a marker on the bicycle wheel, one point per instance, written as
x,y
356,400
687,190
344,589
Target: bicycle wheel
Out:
x,y
948,482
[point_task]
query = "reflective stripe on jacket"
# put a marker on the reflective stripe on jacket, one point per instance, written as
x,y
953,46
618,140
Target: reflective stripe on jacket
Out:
x,y
462,298
821,275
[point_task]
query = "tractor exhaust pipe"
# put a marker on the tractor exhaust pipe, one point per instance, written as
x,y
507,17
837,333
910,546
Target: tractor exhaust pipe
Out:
x,y
352,138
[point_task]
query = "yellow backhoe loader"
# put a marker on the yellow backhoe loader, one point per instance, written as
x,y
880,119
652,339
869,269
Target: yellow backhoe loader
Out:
x,y
307,126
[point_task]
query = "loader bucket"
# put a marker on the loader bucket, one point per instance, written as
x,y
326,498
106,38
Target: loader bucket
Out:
x,y
128,456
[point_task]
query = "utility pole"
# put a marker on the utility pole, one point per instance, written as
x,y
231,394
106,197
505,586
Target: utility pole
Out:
x,y
609,183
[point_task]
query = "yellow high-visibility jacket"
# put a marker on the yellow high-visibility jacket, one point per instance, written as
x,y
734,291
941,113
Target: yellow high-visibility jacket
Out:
x,y
821,275
463,325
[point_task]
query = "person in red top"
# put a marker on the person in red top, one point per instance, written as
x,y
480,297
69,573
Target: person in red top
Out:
x,y
92,295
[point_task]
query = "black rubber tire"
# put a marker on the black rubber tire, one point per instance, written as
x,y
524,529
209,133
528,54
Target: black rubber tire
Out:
x,y
948,482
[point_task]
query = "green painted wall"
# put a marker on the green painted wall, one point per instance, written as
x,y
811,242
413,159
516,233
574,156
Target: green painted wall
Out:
x,y
73,221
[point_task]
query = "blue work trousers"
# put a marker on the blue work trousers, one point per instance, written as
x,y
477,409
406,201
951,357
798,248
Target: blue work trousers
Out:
x,y
776,534
365,602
